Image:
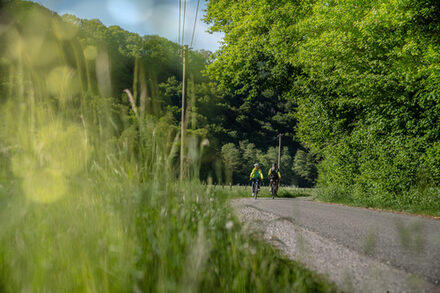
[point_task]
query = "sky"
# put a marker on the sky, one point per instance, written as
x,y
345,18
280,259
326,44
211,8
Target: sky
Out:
x,y
145,17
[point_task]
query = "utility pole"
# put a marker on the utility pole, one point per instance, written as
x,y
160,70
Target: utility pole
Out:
x,y
279,150
182,128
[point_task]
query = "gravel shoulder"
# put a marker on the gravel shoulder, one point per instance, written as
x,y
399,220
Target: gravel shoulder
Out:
x,y
358,249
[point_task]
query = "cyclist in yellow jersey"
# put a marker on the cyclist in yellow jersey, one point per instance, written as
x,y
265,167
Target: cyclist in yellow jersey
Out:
x,y
256,174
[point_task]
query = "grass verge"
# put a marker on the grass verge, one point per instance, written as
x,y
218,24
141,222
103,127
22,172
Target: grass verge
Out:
x,y
151,237
283,192
425,203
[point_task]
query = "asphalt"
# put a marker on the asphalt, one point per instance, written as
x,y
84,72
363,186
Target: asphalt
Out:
x,y
405,245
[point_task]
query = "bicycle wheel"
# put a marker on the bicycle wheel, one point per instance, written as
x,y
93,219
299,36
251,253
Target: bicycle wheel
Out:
x,y
255,188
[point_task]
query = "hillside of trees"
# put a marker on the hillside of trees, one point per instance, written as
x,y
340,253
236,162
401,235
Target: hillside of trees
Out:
x,y
365,79
237,129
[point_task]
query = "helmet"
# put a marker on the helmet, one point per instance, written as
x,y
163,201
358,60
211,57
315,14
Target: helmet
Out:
x,y
256,165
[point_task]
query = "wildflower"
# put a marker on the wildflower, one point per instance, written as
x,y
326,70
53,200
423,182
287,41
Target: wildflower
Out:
x,y
229,225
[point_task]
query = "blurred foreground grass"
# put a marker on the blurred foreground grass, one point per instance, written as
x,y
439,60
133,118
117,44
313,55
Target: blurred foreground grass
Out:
x,y
89,200
110,236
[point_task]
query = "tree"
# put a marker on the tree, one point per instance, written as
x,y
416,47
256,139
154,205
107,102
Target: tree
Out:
x,y
304,165
363,76
231,159
254,84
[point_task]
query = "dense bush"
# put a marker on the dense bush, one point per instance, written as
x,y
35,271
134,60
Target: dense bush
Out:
x,y
365,77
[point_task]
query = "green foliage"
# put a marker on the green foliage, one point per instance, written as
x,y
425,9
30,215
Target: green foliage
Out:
x,y
364,76
255,84
379,126
231,156
432,159
305,166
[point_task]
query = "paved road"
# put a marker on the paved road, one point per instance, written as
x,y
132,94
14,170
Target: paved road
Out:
x,y
408,244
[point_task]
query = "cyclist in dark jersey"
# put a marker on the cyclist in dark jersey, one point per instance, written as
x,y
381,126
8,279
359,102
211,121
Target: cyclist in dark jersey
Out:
x,y
274,175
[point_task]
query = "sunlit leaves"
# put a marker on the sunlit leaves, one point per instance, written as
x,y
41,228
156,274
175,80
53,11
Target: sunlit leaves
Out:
x,y
366,81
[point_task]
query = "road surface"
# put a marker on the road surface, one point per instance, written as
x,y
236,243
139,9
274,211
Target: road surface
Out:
x,y
361,250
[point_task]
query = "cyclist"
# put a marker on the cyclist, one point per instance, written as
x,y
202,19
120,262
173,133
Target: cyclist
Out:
x,y
274,176
256,175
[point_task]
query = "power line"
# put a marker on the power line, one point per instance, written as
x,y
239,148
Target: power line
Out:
x,y
183,24
184,53
180,15
183,124
195,22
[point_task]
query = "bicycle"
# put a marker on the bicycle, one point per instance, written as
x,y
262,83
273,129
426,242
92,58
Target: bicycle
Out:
x,y
274,188
255,188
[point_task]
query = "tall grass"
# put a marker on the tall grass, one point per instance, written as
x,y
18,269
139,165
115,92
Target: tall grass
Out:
x,y
88,196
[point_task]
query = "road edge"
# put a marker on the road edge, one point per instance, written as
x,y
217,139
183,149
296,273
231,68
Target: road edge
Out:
x,y
349,270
